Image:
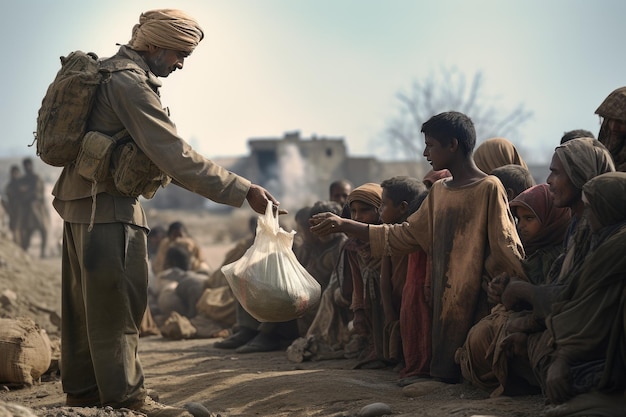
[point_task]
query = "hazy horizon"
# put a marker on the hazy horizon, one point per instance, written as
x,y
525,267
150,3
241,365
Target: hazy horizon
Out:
x,y
331,68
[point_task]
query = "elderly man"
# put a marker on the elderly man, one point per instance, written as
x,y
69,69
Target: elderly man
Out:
x,y
105,269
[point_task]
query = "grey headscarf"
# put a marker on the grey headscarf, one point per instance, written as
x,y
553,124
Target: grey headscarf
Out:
x,y
583,159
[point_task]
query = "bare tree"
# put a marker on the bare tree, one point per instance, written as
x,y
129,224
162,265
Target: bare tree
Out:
x,y
445,91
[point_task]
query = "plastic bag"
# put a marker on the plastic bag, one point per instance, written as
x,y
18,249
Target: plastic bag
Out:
x,y
268,281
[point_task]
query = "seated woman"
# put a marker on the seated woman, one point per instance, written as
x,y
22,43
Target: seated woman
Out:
x,y
580,358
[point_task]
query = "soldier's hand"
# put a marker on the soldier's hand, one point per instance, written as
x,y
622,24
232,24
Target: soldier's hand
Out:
x,y
258,197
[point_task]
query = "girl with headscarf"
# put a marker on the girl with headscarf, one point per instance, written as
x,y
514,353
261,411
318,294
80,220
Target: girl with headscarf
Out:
x,y
353,294
496,152
364,203
542,247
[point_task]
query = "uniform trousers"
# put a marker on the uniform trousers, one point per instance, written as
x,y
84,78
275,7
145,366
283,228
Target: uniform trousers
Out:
x,y
104,297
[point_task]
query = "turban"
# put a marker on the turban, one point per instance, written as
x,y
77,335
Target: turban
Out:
x,y
606,196
370,193
167,29
496,152
583,159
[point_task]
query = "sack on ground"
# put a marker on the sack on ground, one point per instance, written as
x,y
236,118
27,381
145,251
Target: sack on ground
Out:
x,y
178,327
25,351
268,281
134,174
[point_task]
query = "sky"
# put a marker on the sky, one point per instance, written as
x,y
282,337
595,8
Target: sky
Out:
x,y
331,68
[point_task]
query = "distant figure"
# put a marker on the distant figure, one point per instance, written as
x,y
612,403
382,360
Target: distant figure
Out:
x,y
575,134
11,202
177,235
179,286
339,191
496,152
34,214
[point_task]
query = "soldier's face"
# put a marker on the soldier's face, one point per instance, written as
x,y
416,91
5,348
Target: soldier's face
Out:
x,y
163,62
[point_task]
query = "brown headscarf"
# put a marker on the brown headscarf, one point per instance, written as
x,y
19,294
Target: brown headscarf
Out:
x,y
168,29
606,196
370,193
554,220
496,152
583,159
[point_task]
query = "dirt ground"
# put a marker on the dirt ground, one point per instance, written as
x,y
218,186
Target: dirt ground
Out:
x,y
228,384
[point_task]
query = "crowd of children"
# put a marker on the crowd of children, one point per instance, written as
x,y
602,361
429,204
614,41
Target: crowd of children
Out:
x,y
477,273
474,272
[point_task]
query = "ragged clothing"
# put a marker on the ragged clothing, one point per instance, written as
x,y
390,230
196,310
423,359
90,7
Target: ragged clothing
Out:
x,y
469,234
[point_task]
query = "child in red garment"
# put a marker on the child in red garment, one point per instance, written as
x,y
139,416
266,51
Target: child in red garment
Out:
x,y
401,197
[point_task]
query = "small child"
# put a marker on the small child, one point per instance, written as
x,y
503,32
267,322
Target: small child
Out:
x,y
464,225
399,200
542,227
401,197
515,179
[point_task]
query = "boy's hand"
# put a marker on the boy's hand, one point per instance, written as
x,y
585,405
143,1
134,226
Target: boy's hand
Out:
x,y
323,224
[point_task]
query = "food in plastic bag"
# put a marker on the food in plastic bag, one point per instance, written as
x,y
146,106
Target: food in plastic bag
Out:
x,y
268,281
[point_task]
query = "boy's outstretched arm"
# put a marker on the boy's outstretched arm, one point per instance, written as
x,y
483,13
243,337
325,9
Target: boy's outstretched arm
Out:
x,y
323,224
